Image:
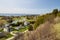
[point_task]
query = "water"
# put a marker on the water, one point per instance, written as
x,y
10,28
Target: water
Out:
x,y
15,14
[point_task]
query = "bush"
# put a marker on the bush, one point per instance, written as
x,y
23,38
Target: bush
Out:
x,y
58,14
39,21
30,28
42,19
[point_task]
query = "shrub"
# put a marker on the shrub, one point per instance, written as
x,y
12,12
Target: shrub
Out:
x,y
58,14
39,21
30,28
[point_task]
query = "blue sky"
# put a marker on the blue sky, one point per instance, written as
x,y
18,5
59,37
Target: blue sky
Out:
x,y
28,6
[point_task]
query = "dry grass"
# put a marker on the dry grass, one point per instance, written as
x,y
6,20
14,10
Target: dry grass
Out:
x,y
45,31
2,22
57,28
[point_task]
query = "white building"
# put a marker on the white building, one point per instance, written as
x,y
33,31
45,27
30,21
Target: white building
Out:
x,y
7,28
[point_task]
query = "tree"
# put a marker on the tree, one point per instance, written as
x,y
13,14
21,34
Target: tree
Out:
x,y
10,20
55,11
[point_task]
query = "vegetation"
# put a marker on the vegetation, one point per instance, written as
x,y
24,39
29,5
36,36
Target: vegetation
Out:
x,y
58,14
49,30
55,11
39,21
30,28
46,17
23,29
9,19
43,28
1,30
7,35
43,32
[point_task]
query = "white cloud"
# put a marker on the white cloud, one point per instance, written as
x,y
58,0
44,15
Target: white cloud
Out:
x,y
23,10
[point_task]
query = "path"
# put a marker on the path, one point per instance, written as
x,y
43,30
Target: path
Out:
x,y
14,35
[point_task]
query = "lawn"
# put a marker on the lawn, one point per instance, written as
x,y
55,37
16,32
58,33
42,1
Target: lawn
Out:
x,y
23,29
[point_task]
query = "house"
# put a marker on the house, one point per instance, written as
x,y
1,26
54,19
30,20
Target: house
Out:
x,y
26,23
14,22
7,28
18,27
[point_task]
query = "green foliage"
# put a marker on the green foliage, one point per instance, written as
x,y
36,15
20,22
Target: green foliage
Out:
x,y
42,19
39,21
23,29
31,21
55,11
17,24
30,27
7,35
1,30
58,14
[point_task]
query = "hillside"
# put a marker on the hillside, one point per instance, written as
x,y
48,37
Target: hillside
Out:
x,y
57,28
46,27
39,27
45,31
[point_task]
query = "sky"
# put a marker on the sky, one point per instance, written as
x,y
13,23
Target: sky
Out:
x,y
29,6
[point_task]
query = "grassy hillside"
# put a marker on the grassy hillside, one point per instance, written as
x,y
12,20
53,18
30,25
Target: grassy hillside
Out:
x,y
57,28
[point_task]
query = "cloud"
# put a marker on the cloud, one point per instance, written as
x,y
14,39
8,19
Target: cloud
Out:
x,y
24,10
